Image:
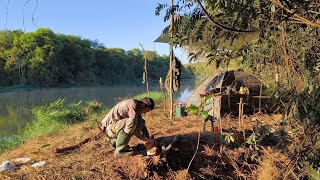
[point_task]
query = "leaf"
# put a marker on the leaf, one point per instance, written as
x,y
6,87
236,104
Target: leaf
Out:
x,y
273,8
231,138
193,109
253,157
314,175
205,114
45,145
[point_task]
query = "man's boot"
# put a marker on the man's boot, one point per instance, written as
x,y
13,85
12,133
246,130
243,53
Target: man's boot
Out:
x,y
113,142
122,145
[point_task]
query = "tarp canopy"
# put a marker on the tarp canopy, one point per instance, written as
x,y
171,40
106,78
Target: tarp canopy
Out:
x,y
224,44
223,80
243,39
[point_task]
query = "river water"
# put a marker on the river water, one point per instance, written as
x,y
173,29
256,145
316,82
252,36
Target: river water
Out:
x,y
16,105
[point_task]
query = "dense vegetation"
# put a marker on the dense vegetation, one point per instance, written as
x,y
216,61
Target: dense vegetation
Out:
x,y
201,69
277,40
43,58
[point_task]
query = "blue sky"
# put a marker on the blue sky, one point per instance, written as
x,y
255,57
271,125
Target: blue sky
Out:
x,y
122,24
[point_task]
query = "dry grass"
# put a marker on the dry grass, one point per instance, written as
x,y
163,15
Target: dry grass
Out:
x,y
270,166
95,159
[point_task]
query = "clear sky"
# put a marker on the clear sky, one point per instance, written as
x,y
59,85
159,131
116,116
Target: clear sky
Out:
x,y
116,24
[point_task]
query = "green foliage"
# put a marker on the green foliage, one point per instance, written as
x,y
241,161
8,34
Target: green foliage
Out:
x,y
157,97
93,107
278,42
314,175
53,117
10,142
308,104
228,137
207,28
201,69
193,109
43,58
252,142
199,110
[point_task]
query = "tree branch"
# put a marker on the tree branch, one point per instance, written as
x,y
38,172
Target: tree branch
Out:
x,y
220,25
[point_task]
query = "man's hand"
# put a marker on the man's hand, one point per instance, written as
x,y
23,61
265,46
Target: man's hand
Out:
x,y
152,147
150,143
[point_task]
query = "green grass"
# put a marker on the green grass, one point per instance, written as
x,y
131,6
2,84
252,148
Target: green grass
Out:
x,y
10,142
48,119
51,118
157,97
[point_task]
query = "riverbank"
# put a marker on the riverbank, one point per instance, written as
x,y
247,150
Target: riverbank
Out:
x,y
16,104
60,115
264,152
215,157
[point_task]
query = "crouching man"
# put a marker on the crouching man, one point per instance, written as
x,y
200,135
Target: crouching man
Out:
x,y
123,121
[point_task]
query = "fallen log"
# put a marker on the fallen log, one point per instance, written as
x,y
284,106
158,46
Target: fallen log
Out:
x,y
77,146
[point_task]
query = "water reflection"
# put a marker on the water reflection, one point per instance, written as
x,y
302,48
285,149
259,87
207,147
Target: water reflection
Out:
x,y
16,105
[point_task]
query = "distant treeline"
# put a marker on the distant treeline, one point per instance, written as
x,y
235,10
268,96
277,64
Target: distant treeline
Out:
x,y
43,58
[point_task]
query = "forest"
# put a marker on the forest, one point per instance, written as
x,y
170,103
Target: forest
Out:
x,y
44,58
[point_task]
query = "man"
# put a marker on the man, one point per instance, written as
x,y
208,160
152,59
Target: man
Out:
x,y
123,121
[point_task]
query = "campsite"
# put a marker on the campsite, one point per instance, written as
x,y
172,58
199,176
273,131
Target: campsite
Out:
x,y
181,89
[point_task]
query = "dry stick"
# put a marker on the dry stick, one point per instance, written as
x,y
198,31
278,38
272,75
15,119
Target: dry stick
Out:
x,y
145,69
295,16
288,60
298,149
220,120
195,153
234,165
273,158
242,106
239,116
242,126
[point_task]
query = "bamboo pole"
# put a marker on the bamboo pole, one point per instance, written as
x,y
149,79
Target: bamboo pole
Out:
x,y
163,92
145,69
171,60
260,98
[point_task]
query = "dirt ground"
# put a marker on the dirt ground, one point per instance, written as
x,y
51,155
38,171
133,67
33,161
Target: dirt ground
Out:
x,y
264,158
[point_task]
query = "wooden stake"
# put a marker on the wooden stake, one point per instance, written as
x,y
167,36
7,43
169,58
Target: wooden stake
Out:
x,y
171,60
220,115
239,116
145,69
260,98
163,92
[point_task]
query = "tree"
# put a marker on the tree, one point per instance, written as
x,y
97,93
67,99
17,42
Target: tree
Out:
x,y
284,39
43,58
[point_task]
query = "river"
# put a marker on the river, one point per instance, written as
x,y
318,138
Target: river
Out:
x,y
16,104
